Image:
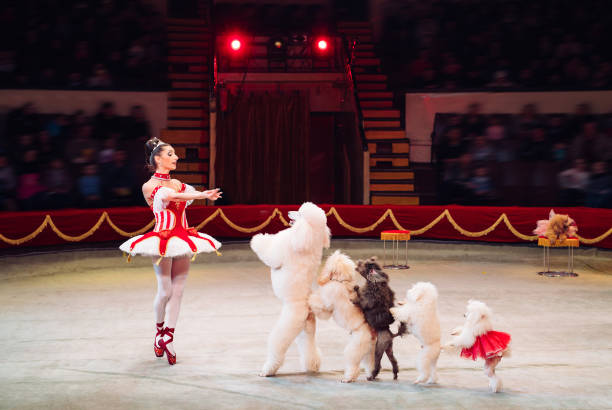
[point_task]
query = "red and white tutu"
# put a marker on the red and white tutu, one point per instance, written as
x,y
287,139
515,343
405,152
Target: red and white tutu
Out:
x,y
171,236
487,345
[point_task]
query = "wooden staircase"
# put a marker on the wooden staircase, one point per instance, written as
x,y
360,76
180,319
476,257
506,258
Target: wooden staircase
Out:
x,y
391,179
189,42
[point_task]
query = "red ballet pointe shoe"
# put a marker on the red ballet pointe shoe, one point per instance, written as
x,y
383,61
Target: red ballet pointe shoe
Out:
x,y
159,351
164,344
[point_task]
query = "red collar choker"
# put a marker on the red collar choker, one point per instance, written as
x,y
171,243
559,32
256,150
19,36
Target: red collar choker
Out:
x,y
163,177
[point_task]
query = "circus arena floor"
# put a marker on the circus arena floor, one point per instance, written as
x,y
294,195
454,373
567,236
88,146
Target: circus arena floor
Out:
x,y
77,332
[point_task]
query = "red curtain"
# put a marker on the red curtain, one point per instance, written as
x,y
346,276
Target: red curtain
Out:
x,y
262,149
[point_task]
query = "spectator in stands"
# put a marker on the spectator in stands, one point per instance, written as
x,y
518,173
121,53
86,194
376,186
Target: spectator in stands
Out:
x,y
7,68
7,185
558,130
591,144
82,148
137,127
582,115
559,152
535,148
599,189
58,185
451,147
481,186
573,184
25,143
30,191
457,175
118,181
107,153
500,80
106,123
481,150
495,131
473,122
23,120
90,187
100,78
46,147
527,121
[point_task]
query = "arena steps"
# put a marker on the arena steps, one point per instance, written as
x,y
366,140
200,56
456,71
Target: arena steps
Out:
x,y
391,180
195,137
189,85
182,123
381,123
393,133
393,198
189,43
393,146
198,103
371,86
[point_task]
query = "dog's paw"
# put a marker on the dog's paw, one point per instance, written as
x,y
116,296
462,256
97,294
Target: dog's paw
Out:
x,y
268,370
449,347
432,380
456,330
347,381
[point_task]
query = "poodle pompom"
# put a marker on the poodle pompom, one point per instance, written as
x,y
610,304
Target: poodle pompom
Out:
x,y
422,290
337,267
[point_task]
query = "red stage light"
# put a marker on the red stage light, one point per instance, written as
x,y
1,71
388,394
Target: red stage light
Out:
x,y
235,44
322,44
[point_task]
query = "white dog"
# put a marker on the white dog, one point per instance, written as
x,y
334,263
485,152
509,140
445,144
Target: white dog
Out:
x,y
335,298
294,255
477,339
420,314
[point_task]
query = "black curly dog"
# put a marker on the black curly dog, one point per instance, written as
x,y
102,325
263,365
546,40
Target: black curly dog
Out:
x,y
375,300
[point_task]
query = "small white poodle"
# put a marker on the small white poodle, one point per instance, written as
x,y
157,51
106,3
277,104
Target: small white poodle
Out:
x,y
477,339
294,256
335,298
420,315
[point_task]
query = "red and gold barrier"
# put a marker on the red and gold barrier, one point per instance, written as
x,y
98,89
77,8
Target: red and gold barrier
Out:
x,y
496,224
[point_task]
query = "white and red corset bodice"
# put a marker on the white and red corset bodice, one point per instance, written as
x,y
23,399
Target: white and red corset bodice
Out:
x,y
171,236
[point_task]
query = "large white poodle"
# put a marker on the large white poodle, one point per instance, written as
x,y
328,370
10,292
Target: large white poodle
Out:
x,y
335,297
294,256
420,314
477,339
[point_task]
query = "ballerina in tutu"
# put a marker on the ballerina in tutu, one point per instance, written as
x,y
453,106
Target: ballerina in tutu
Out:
x,y
172,243
477,339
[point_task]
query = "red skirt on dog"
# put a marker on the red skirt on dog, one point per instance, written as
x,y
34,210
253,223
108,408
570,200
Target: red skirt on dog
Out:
x,y
487,345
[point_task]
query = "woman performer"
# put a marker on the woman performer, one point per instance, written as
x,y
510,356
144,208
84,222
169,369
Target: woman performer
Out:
x,y
171,243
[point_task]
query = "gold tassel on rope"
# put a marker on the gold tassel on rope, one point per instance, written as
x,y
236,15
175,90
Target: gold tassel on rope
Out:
x,y
193,257
218,253
159,260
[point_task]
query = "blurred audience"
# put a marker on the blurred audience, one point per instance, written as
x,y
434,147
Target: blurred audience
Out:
x,y
59,161
447,44
524,159
98,44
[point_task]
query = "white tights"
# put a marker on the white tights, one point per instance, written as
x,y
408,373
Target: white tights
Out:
x,y
171,275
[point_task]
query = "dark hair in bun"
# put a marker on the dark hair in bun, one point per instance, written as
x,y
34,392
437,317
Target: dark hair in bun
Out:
x,y
152,148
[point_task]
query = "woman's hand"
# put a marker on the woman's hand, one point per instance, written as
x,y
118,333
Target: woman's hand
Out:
x,y
212,194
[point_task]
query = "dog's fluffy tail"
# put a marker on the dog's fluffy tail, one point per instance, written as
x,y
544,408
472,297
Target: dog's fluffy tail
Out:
x,y
401,330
